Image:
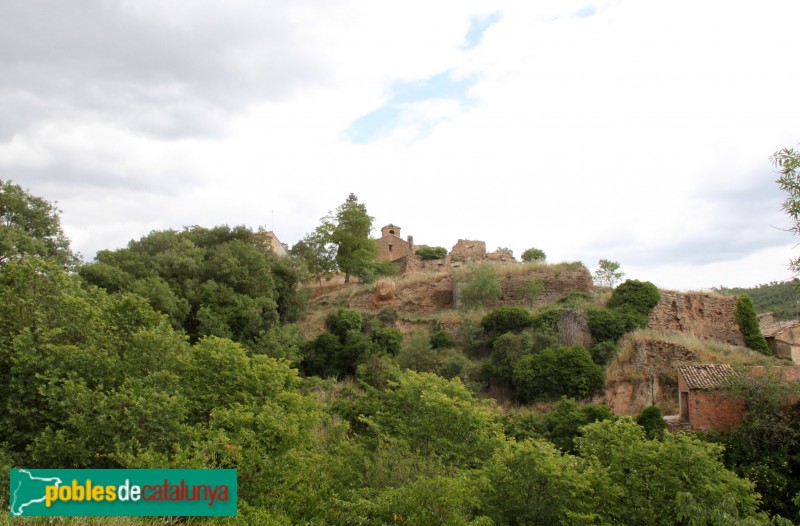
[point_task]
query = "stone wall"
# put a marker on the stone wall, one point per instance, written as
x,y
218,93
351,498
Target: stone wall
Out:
x,y
707,316
556,283
657,383
713,409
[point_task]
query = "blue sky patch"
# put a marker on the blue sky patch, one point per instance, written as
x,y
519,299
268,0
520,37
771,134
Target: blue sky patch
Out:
x,y
586,11
382,121
476,29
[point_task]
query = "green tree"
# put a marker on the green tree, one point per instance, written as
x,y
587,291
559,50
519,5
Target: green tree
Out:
x,y
608,273
643,478
218,281
642,296
787,161
533,255
557,371
348,231
748,324
31,226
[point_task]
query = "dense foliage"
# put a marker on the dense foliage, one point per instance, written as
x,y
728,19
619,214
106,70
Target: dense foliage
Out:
x,y
210,282
748,324
31,226
97,377
780,298
505,319
642,296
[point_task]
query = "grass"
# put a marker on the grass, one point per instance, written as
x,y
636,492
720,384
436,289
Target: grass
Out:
x,y
624,366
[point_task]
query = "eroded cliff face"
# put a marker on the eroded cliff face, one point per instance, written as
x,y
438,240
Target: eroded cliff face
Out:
x,y
650,377
440,292
707,316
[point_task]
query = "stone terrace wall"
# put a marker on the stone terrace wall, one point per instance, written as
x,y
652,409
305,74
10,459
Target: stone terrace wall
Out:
x,y
707,316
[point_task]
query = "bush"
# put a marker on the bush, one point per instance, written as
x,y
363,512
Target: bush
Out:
x,y
343,322
563,423
611,324
557,371
651,420
603,352
506,319
481,287
642,296
426,253
748,324
441,339
533,255
387,340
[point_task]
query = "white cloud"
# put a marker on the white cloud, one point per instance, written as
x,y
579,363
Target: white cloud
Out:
x,y
639,131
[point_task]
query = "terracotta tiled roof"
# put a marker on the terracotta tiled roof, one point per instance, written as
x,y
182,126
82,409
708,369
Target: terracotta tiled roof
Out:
x,y
706,376
769,330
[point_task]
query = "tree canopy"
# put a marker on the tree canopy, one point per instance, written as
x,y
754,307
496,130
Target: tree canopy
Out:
x,y
31,226
210,282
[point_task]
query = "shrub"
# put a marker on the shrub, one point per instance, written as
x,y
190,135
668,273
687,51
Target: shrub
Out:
x,y
481,286
651,420
426,253
546,320
342,322
506,319
387,340
533,255
441,339
604,352
748,324
611,324
642,296
557,371
563,423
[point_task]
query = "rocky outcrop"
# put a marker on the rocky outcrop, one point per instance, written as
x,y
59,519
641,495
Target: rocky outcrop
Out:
x,y
707,316
573,329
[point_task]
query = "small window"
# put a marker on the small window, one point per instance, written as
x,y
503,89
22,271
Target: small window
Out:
x,y
390,248
391,232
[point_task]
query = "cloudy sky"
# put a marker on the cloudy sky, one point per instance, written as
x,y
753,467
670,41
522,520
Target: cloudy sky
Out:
x,y
633,130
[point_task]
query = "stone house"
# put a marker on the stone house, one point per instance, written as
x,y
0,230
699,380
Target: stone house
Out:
x,y
783,337
391,247
703,402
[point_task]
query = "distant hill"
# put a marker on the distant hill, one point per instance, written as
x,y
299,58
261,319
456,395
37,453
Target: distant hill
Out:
x,y
781,298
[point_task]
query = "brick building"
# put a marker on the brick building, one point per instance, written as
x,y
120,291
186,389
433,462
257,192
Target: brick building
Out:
x,y
705,405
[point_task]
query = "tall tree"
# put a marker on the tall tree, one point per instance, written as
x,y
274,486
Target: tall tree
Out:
x,y
348,230
788,163
30,225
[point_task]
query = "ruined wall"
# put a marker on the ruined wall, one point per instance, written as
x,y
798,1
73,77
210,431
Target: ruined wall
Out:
x,y
657,382
707,316
467,250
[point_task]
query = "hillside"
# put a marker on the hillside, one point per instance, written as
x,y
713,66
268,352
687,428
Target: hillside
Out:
x,y
780,298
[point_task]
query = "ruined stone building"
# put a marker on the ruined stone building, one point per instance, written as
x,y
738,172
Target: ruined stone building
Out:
x,y
783,337
391,247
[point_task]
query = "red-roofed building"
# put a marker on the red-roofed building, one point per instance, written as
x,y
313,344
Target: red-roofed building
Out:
x,y
705,405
